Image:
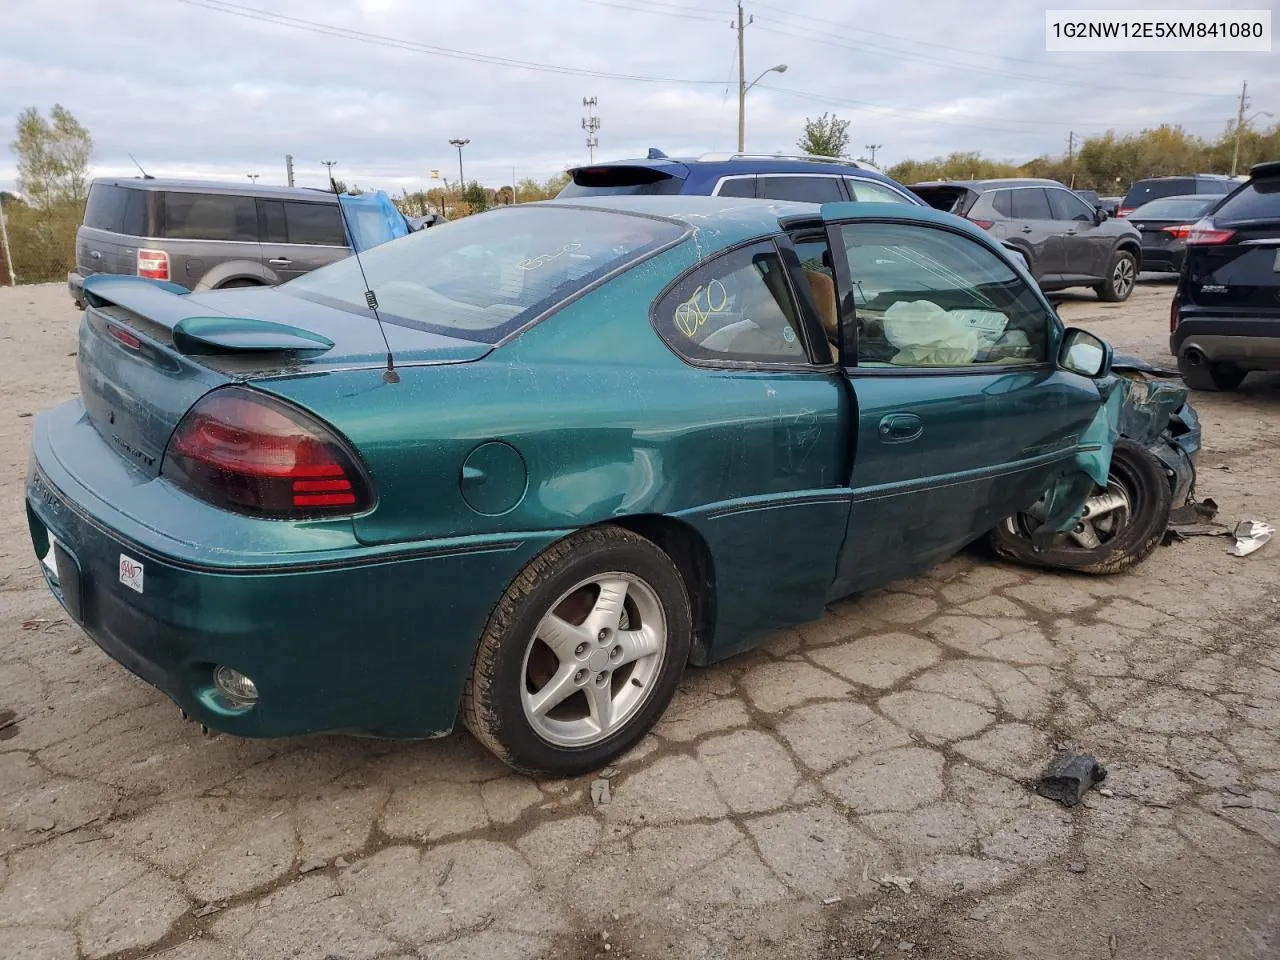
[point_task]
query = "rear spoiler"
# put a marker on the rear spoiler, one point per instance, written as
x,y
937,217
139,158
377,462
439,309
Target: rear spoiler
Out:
x,y
164,304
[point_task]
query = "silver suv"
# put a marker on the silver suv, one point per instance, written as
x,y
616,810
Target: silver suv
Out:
x,y
203,235
1065,241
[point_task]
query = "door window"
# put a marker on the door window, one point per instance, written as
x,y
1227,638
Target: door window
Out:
x,y
926,297
738,187
868,191
319,224
1002,203
1067,206
736,308
1030,203
802,189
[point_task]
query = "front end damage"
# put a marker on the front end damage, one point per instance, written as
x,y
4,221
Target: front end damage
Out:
x,y
1110,510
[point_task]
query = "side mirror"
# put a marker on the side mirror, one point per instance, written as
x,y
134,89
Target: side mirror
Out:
x,y
1099,214
1085,354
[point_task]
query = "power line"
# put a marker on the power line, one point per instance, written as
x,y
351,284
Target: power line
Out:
x,y
890,53
345,33
683,12
953,49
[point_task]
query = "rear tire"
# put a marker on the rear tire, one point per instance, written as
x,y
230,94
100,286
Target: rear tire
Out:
x,y
1135,472
552,665
1122,275
1200,373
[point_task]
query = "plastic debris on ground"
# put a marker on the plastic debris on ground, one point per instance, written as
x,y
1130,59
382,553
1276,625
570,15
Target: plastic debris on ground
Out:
x,y
1070,776
1250,535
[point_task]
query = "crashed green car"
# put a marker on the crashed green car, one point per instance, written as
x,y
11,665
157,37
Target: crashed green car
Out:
x,y
579,445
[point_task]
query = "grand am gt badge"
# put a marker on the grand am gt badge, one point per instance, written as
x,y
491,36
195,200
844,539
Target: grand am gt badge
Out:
x,y
131,573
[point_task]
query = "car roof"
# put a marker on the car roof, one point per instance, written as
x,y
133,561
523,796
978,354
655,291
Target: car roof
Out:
x,y
217,186
724,221
981,186
746,164
1188,176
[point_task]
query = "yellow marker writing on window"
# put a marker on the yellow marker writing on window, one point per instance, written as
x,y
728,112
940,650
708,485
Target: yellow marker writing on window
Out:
x,y
705,301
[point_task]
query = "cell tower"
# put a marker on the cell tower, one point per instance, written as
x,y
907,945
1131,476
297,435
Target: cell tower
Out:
x,y
591,123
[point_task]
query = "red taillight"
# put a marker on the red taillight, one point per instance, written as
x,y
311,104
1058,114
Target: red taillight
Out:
x,y
1206,234
153,264
1125,211
248,452
125,337
1173,314
984,224
1182,231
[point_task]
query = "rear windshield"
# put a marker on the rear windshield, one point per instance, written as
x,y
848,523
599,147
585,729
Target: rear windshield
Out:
x,y
117,209
631,181
947,199
1144,191
1182,207
1256,200
483,276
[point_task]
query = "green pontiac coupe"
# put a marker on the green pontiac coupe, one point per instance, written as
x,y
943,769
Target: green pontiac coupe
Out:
x,y
521,468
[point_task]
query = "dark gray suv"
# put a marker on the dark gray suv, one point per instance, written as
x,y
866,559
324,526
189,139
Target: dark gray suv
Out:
x,y
206,235
1065,241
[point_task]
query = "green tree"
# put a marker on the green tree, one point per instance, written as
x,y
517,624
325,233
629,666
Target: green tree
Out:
x,y
476,197
53,176
826,136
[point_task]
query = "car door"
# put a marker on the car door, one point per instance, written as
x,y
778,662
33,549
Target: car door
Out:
x,y
1032,222
299,236
961,417
1084,246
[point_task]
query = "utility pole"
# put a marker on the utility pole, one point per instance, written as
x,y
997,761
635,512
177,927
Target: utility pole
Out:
x,y
460,142
4,239
873,147
288,168
1235,153
513,185
742,81
1071,145
329,165
591,123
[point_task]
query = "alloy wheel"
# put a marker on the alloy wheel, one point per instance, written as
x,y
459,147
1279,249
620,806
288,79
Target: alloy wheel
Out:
x,y
593,659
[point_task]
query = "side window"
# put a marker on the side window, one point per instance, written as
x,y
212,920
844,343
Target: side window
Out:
x,y
1030,203
271,221
737,307
738,187
803,189
868,191
1002,202
319,224
1067,206
926,297
209,216
104,209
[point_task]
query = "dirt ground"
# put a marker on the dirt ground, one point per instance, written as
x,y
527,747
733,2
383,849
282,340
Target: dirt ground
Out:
x,y
855,788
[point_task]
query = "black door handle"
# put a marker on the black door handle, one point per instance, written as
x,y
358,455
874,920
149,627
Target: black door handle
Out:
x,y
900,427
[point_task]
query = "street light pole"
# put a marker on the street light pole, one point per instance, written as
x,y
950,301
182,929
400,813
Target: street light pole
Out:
x,y
4,240
460,143
742,100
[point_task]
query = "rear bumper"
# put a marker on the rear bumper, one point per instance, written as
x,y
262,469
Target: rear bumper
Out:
x,y
369,640
75,285
1163,259
1250,343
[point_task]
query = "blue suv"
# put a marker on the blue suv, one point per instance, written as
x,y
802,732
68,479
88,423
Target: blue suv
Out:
x,y
806,179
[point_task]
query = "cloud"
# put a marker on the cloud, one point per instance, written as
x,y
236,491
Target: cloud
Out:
x,y
195,91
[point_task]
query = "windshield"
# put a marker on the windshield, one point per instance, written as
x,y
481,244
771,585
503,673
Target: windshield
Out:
x,y
1177,209
482,276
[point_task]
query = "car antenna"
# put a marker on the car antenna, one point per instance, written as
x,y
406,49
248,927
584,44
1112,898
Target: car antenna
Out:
x,y
389,375
145,175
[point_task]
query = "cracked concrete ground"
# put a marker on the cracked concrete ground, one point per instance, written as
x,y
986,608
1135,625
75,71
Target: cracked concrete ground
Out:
x,y
856,787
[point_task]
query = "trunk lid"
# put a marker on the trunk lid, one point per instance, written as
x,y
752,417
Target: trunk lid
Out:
x,y
150,350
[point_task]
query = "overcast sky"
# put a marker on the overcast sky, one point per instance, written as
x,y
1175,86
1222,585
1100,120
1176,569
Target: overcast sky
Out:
x,y
195,91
